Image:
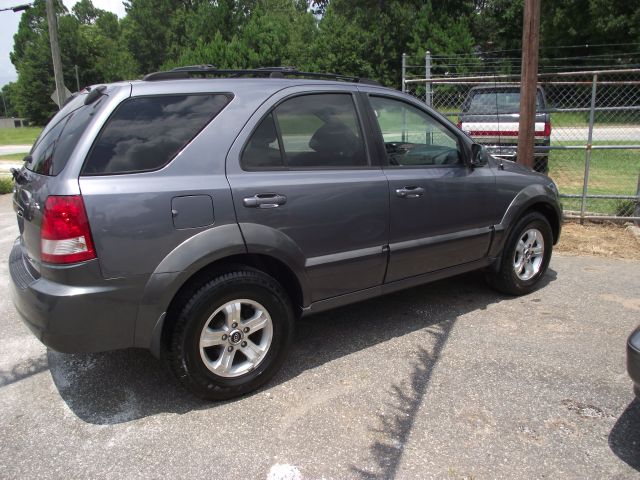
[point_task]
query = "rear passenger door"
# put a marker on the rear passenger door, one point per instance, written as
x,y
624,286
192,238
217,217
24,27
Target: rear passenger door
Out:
x,y
305,190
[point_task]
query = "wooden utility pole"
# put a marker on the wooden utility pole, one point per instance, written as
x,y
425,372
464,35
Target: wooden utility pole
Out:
x,y
528,81
52,20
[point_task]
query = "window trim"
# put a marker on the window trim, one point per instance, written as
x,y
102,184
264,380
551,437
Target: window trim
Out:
x,y
276,125
380,139
359,119
230,96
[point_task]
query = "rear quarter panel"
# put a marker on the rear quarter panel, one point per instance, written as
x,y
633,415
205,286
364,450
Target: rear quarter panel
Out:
x,y
130,214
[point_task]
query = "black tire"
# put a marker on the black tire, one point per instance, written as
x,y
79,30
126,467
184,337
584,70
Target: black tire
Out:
x,y
505,279
182,352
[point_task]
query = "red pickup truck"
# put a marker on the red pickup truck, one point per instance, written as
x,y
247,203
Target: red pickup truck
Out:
x,y
490,115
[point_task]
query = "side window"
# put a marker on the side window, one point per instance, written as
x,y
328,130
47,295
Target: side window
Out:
x,y
51,152
263,149
321,130
146,133
316,130
412,137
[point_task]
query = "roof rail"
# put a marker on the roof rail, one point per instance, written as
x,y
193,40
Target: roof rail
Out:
x,y
263,72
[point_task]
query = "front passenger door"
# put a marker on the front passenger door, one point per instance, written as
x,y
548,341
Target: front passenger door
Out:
x,y
440,208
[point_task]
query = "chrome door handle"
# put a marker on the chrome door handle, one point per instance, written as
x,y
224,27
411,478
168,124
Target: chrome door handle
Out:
x,y
410,192
264,200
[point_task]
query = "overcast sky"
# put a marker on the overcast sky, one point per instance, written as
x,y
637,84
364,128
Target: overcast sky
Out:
x,y
9,26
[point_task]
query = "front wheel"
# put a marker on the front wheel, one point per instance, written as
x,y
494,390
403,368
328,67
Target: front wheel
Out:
x,y
525,257
232,335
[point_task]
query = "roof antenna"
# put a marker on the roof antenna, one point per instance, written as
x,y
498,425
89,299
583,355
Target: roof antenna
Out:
x,y
495,90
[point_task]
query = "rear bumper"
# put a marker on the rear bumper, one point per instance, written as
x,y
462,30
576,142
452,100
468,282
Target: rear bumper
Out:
x,y
509,151
89,314
633,359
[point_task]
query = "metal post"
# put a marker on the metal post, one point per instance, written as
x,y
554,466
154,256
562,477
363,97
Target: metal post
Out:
x,y
587,155
427,75
404,72
77,79
52,20
636,213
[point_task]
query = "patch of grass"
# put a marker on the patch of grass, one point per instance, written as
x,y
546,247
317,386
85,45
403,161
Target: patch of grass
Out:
x,y
603,117
19,136
611,172
6,185
625,208
13,156
570,119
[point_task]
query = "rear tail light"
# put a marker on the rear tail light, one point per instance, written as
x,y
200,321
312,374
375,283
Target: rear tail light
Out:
x,y
547,129
460,125
65,236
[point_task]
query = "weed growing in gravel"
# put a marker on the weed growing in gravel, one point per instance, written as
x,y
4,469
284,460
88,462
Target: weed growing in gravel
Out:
x,y
625,208
6,185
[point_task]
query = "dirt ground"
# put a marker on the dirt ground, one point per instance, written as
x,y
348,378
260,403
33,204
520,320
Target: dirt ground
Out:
x,y
608,240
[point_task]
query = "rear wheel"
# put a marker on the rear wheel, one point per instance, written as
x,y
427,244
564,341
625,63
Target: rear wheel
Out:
x,y
525,257
231,335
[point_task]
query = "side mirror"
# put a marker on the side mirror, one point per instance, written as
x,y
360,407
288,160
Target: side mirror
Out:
x,y
479,156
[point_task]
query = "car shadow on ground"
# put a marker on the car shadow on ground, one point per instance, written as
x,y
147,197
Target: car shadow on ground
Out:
x,y
121,386
624,439
22,370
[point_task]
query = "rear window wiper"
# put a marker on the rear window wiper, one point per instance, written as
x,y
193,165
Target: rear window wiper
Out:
x,y
18,176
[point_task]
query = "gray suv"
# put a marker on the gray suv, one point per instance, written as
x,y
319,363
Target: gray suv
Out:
x,y
199,217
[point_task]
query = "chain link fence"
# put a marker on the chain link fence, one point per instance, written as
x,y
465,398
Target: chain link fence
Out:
x,y
587,135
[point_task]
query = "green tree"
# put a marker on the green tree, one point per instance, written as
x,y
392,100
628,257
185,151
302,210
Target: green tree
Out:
x,y
341,46
441,33
90,38
86,12
31,57
368,37
101,53
580,23
266,33
9,96
146,30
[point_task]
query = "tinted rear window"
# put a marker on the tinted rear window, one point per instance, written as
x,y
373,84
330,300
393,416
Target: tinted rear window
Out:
x,y
504,101
146,133
53,149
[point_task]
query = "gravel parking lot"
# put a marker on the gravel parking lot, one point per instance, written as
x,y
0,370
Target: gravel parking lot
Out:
x,y
448,380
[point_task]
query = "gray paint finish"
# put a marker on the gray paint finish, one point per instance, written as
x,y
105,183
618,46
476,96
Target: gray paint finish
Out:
x,y
343,233
447,226
338,220
192,211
